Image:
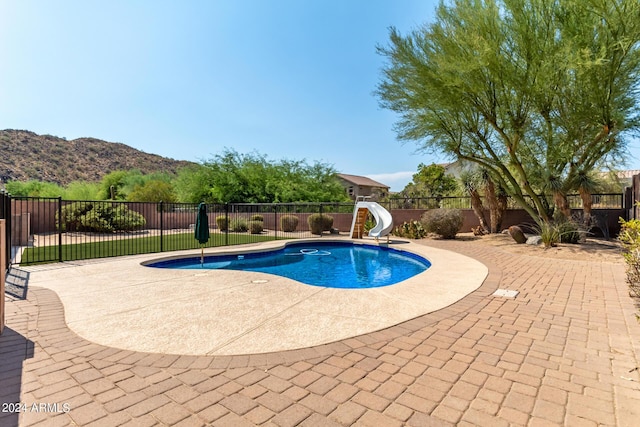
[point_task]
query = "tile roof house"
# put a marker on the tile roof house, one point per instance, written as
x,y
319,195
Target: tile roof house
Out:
x,y
357,186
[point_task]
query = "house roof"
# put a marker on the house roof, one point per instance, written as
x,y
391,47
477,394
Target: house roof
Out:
x,y
627,173
361,180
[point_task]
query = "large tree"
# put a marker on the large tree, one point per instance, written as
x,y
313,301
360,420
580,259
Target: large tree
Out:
x,y
537,92
430,181
251,178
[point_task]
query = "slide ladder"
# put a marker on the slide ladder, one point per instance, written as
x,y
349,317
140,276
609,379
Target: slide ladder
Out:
x,y
357,229
384,221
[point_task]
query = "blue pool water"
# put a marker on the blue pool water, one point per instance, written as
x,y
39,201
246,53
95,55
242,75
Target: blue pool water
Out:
x,y
327,264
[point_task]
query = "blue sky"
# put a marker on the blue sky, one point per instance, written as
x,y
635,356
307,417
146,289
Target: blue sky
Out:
x,y
289,79
185,79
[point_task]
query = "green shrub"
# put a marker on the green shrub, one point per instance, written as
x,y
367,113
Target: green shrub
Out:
x,y
410,230
289,223
71,214
257,217
630,238
327,222
99,217
126,220
256,227
569,231
222,223
239,225
319,223
369,224
443,222
92,221
549,234
560,231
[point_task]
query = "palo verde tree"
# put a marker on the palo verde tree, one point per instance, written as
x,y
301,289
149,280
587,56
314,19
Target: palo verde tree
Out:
x,y
430,181
539,93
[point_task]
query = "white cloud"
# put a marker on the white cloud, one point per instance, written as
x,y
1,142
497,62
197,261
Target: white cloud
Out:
x,y
396,180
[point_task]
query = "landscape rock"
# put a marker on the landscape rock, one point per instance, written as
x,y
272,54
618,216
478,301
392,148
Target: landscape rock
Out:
x,y
517,234
534,240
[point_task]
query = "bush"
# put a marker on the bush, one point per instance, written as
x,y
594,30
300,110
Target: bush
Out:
x,y
99,218
222,223
319,223
327,222
630,238
410,230
549,234
443,222
289,223
569,231
127,220
256,227
71,216
561,231
239,225
257,217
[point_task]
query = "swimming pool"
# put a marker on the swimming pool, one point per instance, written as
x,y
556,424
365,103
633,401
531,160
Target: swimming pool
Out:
x,y
326,264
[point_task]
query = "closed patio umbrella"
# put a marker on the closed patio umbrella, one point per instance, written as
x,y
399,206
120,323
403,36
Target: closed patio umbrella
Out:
x,y
202,228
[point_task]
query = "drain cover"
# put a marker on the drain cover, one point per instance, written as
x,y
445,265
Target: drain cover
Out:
x,y
505,293
259,281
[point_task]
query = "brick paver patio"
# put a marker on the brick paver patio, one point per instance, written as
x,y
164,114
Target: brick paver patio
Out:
x,y
565,351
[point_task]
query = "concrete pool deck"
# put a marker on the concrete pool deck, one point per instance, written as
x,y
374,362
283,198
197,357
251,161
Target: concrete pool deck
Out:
x,y
120,303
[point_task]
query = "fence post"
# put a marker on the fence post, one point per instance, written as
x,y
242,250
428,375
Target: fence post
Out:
x,y
321,221
161,226
275,216
226,221
3,268
59,228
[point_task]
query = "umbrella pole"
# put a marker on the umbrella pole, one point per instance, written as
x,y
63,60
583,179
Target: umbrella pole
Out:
x,y
202,256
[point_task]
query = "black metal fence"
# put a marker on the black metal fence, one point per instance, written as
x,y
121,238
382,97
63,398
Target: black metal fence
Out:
x,y
51,229
5,213
600,201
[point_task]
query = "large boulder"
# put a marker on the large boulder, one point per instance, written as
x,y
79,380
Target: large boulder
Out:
x,y
517,234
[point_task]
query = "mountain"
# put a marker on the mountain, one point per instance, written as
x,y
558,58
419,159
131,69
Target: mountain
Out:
x,y
29,156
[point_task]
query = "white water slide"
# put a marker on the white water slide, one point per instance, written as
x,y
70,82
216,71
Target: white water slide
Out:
x,y
384,221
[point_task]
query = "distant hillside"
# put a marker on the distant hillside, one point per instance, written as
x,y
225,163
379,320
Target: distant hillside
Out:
x,y
28,156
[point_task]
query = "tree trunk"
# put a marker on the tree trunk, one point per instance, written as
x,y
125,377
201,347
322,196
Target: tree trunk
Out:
x,y
502,199
587,202
492,201
560,200
478,209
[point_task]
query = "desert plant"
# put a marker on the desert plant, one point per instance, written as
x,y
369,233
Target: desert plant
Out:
x,y
289,223
369,224
239,225
99,217
255,227
327,222
410,230
630,238
222,223
71,214
443,222
549,234
127,220
570,231
319,223
257,217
